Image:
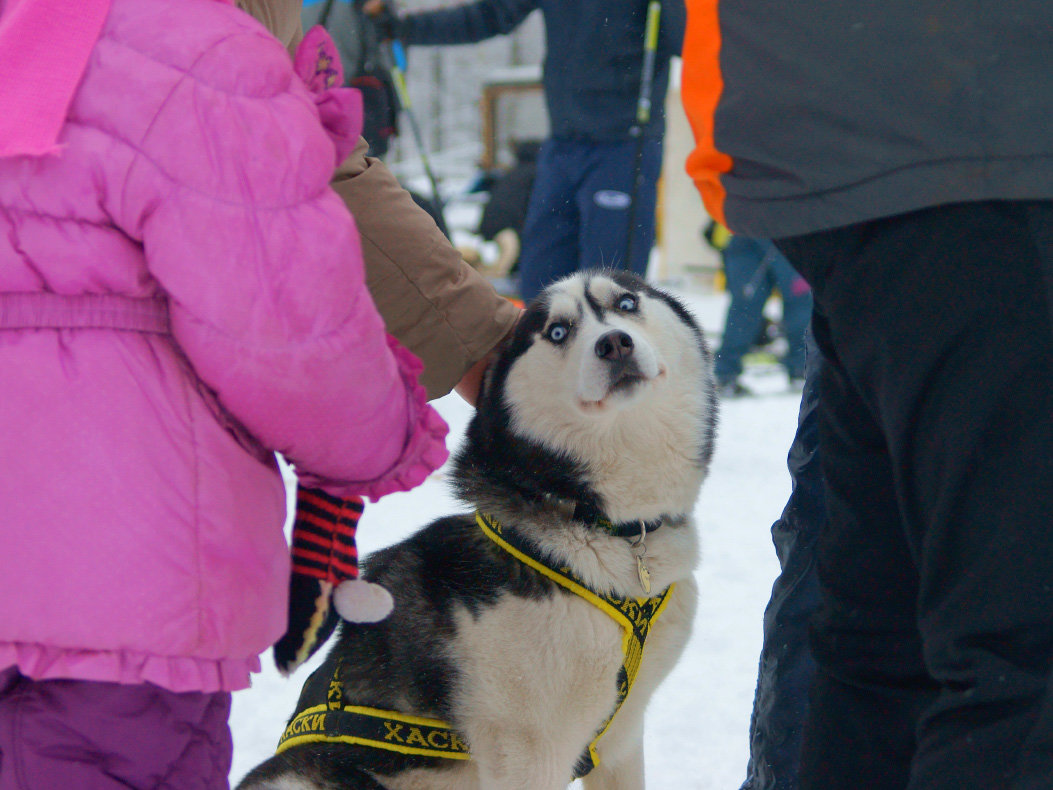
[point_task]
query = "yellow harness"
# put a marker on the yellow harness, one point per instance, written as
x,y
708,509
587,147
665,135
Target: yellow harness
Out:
x,y
414,735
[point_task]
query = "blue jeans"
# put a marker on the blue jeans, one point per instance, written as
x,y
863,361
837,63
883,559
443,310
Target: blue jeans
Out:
x,y
753,268
580,209
784,677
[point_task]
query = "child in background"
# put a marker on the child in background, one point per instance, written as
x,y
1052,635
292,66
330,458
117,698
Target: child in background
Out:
x,y
181,294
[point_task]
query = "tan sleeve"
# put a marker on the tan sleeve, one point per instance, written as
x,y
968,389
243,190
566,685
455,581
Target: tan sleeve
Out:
x,y
280,17
437,305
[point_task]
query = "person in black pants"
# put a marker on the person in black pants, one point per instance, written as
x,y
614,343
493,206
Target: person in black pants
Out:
x,y
864,624
911,184
934,640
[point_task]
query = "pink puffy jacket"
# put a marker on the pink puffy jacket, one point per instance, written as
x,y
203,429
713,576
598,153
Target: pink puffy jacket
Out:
x,y
180,294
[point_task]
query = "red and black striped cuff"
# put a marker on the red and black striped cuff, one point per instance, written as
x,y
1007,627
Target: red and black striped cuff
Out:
x,y
323,539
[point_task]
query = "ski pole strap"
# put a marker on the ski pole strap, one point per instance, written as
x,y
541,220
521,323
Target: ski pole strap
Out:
x,y
398,74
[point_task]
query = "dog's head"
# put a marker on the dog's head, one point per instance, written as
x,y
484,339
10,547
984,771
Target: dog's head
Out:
x,y
603,395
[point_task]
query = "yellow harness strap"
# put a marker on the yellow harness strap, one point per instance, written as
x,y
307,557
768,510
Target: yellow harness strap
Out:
x,y
634,615
332,721
378,729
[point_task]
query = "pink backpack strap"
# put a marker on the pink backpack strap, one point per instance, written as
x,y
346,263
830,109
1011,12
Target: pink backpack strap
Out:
x,y
40,310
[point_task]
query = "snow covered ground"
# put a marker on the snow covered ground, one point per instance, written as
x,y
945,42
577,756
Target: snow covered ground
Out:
x,y
698,721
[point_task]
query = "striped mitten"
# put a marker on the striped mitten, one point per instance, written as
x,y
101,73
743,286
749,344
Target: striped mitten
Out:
x,y
325,584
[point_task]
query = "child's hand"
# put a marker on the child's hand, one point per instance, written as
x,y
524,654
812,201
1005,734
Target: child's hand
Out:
x,y
325,586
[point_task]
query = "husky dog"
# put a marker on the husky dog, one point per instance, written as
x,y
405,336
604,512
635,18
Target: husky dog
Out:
x,y
529,634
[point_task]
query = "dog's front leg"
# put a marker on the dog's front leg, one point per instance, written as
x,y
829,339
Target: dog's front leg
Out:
x,y
627,773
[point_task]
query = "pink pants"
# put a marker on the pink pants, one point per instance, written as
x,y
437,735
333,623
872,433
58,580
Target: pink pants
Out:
x,y
64,734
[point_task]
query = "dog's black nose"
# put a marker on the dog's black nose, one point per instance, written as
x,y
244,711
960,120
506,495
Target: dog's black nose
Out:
x,y
614,346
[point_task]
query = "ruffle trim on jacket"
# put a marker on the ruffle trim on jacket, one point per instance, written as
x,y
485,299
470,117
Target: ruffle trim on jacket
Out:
x,y
178,674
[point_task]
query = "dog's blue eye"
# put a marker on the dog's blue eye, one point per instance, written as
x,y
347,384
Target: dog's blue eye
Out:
x,y
628,304
557,333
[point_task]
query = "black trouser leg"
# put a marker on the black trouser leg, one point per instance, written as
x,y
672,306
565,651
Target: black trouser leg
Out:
x,y
935,638
786,670
872,683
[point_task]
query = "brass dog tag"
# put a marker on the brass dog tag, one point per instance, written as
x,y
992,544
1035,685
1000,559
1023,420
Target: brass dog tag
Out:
x,y
643,573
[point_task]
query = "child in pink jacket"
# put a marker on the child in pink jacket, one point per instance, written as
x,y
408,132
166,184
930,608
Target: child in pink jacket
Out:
x,y
181,295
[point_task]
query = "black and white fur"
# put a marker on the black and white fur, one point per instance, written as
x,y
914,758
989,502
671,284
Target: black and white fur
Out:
x,y
603,398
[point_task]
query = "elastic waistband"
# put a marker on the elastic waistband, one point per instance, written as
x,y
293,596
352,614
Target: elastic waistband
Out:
x,y
40,310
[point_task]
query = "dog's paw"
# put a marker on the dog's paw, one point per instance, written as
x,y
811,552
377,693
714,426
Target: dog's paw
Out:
x,y
359,601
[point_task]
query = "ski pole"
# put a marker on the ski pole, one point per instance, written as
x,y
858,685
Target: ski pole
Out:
x,y
643,104
397,67
643,116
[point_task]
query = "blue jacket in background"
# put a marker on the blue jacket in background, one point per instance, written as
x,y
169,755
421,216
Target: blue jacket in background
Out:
x,y
593,61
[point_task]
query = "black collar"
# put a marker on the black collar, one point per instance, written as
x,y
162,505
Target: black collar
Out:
x,y
593,517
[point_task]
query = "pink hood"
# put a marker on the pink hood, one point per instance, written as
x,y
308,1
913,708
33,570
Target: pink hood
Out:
x,y
212,289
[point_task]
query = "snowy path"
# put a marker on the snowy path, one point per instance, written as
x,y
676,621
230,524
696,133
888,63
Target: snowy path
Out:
x,y
697,724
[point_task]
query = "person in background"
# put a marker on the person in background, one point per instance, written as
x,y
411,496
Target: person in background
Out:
x,y
920,211
752,268
181,295
597,172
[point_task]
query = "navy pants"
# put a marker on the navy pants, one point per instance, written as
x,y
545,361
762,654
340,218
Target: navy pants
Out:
x,y
753,267
85,735
580,210
934,637
786,670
